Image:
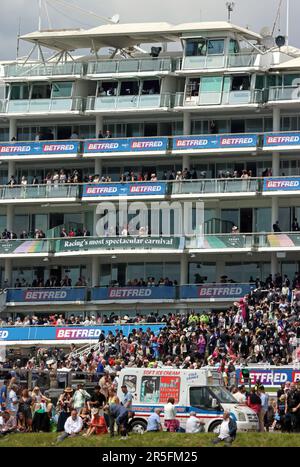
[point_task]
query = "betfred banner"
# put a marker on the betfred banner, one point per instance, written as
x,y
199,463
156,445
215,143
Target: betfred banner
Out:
x,y
214,292
46,295
271,377
282,184
97,190
39,148
128,145
70,333
119,243
281,140
188,143
133,294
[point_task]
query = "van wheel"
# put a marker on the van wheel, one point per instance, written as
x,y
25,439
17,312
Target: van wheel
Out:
x,y
138,426
213,427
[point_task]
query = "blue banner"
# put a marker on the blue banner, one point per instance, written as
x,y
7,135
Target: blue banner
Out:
x,y
134,294
215,291
281,139
187,143
39,148
46,295
271,377
94,190
126,145
70,333
282,184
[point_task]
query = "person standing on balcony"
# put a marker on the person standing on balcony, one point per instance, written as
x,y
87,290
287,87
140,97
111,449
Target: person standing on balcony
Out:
x,y
276,227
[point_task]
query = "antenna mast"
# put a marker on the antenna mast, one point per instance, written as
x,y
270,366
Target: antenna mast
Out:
x,y
287,21
230,6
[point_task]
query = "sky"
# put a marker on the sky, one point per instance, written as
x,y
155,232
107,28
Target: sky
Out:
x,y
254,14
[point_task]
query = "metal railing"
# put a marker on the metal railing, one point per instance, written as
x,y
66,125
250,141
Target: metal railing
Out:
x,y
217,61
130,66
217,186
47,69
220,98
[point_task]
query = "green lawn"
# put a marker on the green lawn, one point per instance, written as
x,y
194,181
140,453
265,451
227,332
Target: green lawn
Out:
x,y
152,440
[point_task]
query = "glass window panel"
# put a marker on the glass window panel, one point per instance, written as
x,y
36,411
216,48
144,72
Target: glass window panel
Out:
x,y
62,89
262,219
285,219
215,47
196,47
154,270
129,88
19,91
288,80
233,46
135,271
211,84
259,82
254,125
21,222
202,273
41,91
172,271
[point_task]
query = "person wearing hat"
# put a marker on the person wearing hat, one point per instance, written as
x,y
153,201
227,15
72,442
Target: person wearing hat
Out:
x,y
64,406
153,423
97,424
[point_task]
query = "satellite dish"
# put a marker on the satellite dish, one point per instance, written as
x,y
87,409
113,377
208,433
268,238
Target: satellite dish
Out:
x,y
115,19
280,41
268,42
265,32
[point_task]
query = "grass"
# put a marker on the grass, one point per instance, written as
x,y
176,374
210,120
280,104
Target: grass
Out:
x,y
152,440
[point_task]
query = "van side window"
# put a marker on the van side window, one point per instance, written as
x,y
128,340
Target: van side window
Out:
x,y
200,397
130,382
150,389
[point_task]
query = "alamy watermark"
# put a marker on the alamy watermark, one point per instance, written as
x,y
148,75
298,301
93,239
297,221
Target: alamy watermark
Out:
x,y
157,218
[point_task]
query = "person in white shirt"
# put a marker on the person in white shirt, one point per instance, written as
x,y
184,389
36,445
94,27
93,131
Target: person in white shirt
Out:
x,y
171,423
73,426
193,424
13,401
227,430
240,395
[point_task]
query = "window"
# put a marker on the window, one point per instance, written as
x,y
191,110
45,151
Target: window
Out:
x,y
215,47
240,83
211,84
150,389
130,382
151,87
233,46
107,88
41,91
196,48
62,89
129,88
19,91
200,397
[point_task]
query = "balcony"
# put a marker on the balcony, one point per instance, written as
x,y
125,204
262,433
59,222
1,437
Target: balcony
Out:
x,y
215,187
36,193
286,93
220,98
47,70
209,62
28,106
147,101
151,65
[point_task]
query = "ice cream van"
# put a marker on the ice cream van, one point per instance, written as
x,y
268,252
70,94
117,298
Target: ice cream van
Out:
x,y
201,391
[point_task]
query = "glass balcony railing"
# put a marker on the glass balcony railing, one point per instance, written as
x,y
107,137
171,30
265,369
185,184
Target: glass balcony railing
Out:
x,y
49,69
43,105
245,60
287,93
129,66
220,98
32,192
216,186
129,102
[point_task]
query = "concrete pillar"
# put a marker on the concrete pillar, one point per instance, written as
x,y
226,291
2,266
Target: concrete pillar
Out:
x,y
96,218
10,217
8,272
11,169
276,155
220,270
276,119
99,125
186,162
98,165
12,128
187,123
95,271
184,269
274,264
275,211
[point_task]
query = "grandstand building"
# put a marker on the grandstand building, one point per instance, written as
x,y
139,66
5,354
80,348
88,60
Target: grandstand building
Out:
x,y
205,98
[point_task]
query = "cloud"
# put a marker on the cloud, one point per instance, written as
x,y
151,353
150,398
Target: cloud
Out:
x,y
254,14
